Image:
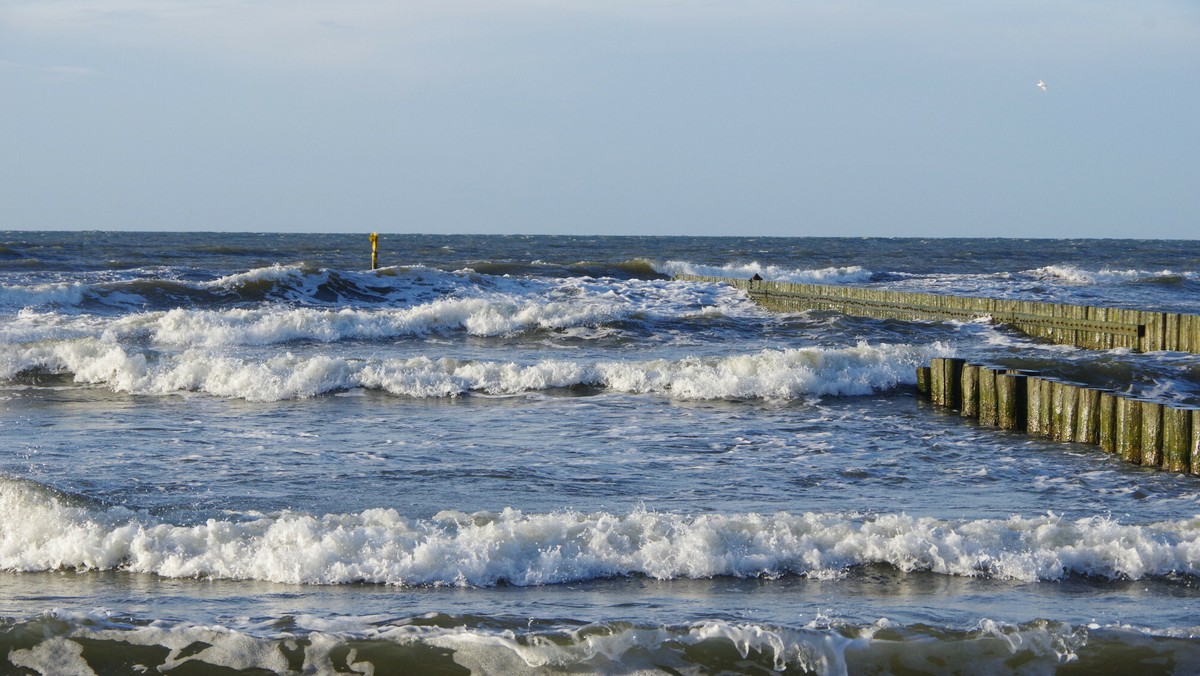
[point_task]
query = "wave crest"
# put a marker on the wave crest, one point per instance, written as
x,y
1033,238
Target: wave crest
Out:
x,y
770,374
1070,274
852,274
40,531
440,643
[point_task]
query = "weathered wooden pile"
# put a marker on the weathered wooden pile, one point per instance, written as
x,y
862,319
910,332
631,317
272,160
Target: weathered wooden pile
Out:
x,y
1148,433
1078,325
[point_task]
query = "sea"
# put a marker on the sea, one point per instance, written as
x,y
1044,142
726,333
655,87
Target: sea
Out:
x,y
233,453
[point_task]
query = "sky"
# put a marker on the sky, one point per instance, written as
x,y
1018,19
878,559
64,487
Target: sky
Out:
x,y
661,117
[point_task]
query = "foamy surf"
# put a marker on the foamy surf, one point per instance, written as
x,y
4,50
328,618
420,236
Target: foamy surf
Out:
x,y
1071,274
780,374
851,274
295,284
474,316
101,642
400,310
303,285
779,524
42,530
56,293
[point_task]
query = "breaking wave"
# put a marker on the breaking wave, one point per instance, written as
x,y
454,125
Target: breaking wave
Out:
x,y
100,642
783,374
853,274
295,284
308,285
44,530
1070,274
442,643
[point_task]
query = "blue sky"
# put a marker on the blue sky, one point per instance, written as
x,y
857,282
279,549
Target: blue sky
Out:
x,y
757,117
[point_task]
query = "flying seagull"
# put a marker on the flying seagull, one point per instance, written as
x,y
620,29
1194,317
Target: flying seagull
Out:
x,y
1041,85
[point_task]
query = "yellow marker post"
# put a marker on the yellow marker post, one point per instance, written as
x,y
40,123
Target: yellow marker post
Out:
x,y
374,250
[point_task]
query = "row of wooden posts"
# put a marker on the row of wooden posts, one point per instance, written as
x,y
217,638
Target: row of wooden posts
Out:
x,y
1147,433
1079,325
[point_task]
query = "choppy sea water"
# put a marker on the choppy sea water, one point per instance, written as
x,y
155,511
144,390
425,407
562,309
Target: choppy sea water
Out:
x,y
542,455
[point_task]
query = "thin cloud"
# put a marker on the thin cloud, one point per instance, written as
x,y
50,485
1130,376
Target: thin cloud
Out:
x,y
416,35
271,33
56,71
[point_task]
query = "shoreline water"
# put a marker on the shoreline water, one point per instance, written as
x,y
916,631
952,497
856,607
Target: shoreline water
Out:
x,y
691,482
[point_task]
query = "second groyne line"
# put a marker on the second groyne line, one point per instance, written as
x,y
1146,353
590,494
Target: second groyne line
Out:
x,y
1079,325
1140,431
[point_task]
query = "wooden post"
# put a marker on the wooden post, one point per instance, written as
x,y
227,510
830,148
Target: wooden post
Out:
x,y
988,414
1129,429
1194,442
1177,436
1069,412
1155,328
1087,425
374,250
1152,437
970,391
1010,401
1108,422
1033,405
953,382
1056,410
937,384
923,380
1046,409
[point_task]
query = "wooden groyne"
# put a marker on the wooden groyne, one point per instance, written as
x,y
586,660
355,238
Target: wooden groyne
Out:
x,y
1143,432
1079,325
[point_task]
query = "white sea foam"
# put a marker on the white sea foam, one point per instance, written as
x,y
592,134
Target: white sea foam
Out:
x,y
29,326
1074,275
40,530
560,306
274,274
852,274
59,293
292,283
784,374
476,316
54,645
396,286
634,650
